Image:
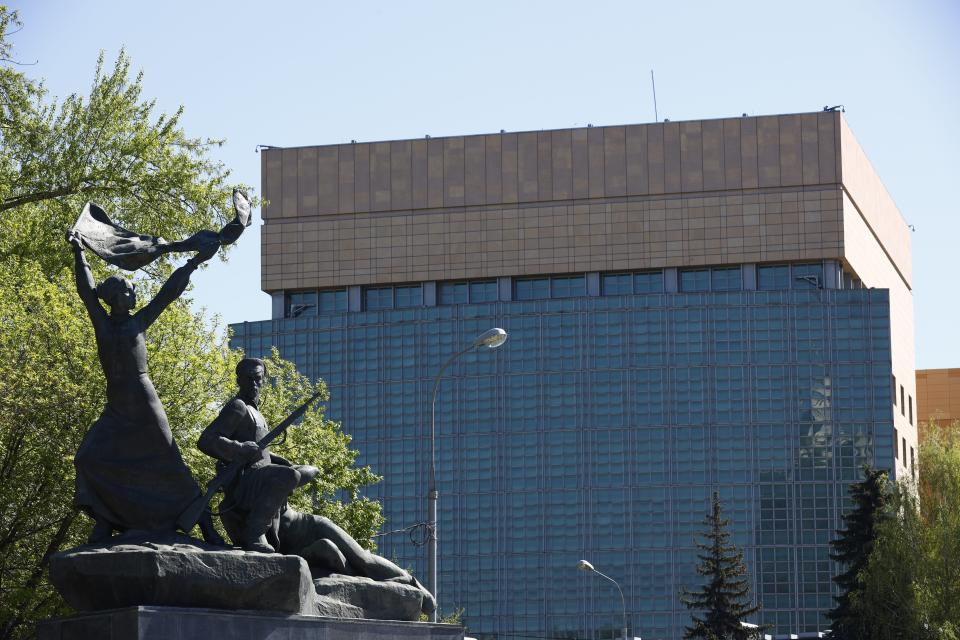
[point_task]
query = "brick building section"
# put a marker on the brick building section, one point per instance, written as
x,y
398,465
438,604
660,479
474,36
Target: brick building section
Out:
x,y
938,395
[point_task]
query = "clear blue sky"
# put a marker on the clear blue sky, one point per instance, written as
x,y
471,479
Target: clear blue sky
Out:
x,y
299,73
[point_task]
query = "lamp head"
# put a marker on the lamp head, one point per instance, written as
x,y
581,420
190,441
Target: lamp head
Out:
x,y
583,565
491,339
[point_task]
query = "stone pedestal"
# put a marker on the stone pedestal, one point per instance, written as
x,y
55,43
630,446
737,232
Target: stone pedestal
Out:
x,y
176,623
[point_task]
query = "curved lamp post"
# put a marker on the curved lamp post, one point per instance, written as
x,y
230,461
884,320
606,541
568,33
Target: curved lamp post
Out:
x,y
583,565
490,339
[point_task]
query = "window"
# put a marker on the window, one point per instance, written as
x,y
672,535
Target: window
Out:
x,y
568,286
808,276
301,303
903,406
695,280
616,284
408,296
904,445
896,450
453,293
531,288
894,390
726,279
910,400
332,301
772,277
649,282
913,465
376,298
467,291
622,284
484,291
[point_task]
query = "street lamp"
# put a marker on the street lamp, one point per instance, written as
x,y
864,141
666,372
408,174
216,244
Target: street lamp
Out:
x,y
490,339
583,565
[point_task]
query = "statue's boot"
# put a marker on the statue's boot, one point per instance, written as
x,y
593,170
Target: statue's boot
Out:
x,y
102,530
253,536
209,532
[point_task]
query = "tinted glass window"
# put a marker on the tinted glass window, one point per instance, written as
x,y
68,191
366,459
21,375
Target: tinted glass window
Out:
x,y
408,296
807,276
726,279
483,291
301,303
568,286
695,280
651,282
772,277
532,288
332,301
378,298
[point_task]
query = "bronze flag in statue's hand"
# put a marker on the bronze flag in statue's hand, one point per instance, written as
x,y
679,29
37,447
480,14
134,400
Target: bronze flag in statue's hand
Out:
x,y
129,250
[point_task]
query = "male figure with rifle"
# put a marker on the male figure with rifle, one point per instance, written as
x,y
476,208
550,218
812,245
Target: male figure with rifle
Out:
x,y
251,508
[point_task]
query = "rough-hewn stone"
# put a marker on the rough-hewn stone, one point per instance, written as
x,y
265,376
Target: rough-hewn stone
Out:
x,y
354,597
180,572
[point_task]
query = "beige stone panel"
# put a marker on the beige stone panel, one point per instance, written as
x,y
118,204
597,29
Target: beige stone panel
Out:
x,y
419,185
596,180
691,156
636,160
581,163
871,198
527,173
307,182
828,143
655,158
361,191
809,149
749,172
435,173
345,178
271,183
672,169
510,182
615,161
289,187
713,174
768,151
475,166
401,153
561,146
494,170
731,154
544,166
328,180
791,168
380,176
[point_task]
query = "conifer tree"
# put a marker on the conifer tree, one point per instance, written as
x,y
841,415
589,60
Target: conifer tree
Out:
x,y
724,599
871,497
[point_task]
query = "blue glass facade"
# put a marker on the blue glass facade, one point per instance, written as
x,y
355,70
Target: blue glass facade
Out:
x,y
600,430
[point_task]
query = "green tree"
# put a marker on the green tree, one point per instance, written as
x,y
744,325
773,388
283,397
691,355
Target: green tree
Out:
x,y
852,548
151,176
911,582
724,599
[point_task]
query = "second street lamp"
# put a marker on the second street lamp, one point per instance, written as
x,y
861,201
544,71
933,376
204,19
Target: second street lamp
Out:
x,y
583,565
490,339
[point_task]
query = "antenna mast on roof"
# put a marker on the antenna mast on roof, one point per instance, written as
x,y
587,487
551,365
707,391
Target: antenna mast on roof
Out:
x,y
656,118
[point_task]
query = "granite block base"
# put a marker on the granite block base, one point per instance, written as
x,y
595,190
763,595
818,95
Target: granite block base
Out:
x,y
176,623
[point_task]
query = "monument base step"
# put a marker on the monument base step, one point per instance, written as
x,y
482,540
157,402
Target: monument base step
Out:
x,y
180,623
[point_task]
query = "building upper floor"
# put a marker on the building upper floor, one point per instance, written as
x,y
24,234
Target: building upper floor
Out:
x,y
785,188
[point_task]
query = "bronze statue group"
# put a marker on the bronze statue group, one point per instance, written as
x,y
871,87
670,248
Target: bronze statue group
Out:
x,y
130,475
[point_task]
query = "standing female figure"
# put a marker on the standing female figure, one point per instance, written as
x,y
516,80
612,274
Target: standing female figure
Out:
x,y
130,474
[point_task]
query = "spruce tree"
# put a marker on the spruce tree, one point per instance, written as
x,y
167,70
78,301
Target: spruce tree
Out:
x,y
852,549
724,599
